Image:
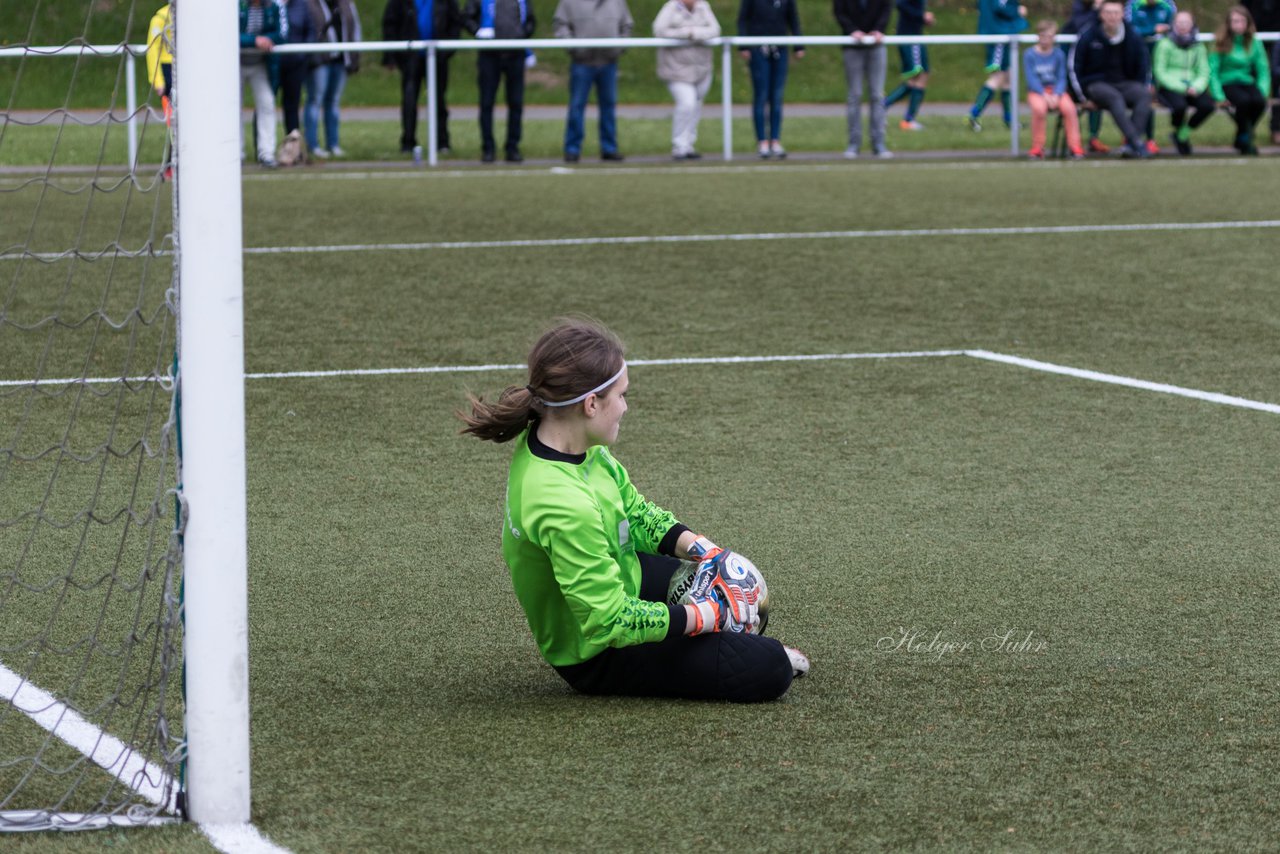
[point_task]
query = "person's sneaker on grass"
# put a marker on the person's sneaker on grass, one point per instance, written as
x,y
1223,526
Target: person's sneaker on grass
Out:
x,y
1036,154
799,661
910,125
1097,146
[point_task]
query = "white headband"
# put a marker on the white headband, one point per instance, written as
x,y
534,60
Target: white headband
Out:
x,y
604,385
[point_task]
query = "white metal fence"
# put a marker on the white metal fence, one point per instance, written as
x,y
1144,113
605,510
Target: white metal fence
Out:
x,y
727,45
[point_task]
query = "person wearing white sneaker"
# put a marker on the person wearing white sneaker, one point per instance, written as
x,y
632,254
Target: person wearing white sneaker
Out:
x,y
338,22
592,561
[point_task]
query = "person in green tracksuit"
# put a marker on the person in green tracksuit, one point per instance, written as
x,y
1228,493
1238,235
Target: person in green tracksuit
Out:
x,y
1240,75
1180,68
591,559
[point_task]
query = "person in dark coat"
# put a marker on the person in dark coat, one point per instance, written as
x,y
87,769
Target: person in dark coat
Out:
x,y
404,20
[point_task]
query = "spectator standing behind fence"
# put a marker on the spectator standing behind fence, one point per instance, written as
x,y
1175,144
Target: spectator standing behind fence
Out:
x,y
1046,73
337,21
428,20
997,18
500,19
261,29
1240,75
768,66
1180,68
864,19
295,68
1084,16
912,19
595,66
686,70
1266,17
1109,67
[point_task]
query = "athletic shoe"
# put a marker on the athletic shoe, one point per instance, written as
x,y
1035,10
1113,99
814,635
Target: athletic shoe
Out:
x,y
1097,146
268,162
613,156
799,662
851,153
910,124
515,157
884,154
1152,148
778,151
764,151
319,154
571,157
1077,154
1183,145
1036,154
487,157
338,151
974,124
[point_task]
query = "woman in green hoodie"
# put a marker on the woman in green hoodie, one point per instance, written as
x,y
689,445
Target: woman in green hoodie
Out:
x,y
1239,75
1181,71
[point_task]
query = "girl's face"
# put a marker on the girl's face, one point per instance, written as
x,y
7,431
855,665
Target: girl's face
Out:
x,y
604,412
1238,24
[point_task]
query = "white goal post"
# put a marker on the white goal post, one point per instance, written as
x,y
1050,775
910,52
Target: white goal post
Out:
x,y
211,389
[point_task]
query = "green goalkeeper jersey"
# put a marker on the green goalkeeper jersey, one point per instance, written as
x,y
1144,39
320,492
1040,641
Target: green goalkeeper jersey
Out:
x,y
572,529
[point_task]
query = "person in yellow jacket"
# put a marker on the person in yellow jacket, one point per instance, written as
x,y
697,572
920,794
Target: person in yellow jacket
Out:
x,y
160,52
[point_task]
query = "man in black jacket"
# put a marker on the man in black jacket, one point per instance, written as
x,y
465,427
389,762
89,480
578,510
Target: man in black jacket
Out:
x,y
1109,66
500,19
402,21
864,21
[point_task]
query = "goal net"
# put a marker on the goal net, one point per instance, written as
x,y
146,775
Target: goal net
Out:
x,y
91,694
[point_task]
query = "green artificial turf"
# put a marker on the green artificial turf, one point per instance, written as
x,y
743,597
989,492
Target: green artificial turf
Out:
x,y
398,700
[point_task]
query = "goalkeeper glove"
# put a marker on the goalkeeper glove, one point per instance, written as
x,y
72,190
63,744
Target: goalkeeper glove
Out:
x,y
717,604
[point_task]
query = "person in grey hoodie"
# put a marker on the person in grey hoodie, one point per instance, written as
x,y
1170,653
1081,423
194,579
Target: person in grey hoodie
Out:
x,y
592,19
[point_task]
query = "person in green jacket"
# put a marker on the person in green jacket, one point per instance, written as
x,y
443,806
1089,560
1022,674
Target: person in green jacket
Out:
x,y
1180,68
1240,76
586,550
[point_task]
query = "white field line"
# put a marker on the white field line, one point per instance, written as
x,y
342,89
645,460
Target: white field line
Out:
x,y
108,752
986,355
112,755
744,237
240,839
1130,382
853,234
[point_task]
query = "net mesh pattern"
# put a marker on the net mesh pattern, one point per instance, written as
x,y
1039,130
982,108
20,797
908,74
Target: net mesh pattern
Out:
x,y
90,534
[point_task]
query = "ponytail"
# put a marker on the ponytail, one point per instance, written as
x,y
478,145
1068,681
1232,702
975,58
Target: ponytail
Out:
x,y
573,359
502,420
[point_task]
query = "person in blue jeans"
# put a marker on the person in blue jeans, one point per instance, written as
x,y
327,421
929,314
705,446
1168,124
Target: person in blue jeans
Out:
x,y
334,21
768,65
598,67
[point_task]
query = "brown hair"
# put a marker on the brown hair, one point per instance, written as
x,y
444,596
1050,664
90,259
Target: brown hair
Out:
x,y
1225,37
1046,24
574,356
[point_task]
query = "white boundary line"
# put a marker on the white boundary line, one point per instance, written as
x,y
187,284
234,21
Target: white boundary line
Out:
x,y
856,234
985,355
648,239
106,751
1130,382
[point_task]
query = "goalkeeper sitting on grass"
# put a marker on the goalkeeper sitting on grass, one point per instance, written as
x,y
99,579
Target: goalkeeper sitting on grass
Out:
x,y
591,560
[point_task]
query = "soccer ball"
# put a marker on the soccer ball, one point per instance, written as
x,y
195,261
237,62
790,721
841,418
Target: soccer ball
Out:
x,y
736,570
